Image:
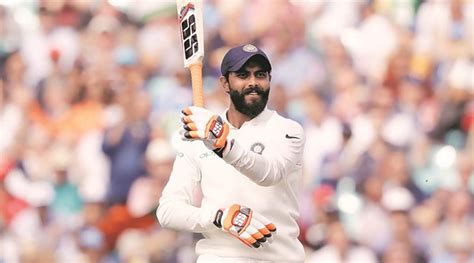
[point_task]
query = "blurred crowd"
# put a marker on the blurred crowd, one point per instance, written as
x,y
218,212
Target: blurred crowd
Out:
x,y
91,92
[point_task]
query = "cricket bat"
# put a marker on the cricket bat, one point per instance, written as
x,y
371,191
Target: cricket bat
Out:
x,y
192,40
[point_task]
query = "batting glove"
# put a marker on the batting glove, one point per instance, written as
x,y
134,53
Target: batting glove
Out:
x,y
241,222
204,125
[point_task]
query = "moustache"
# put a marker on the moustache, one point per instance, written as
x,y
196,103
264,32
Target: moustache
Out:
x,y
257,90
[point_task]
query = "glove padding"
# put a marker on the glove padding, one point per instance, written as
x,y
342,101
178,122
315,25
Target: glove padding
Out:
x,y
201,124
241,222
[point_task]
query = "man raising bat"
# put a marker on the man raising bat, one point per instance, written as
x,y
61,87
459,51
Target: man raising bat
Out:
x,y
247,161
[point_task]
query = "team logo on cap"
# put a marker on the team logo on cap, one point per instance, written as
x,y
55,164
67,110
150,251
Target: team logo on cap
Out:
x,y
250,48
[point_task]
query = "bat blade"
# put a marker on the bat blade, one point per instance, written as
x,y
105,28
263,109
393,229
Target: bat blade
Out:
x,y
192,42
191,25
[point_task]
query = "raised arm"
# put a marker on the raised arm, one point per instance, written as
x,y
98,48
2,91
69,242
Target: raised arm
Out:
x,y
265,170
272,167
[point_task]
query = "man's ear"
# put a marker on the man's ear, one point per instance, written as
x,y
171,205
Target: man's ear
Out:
x,y
269,76
224,84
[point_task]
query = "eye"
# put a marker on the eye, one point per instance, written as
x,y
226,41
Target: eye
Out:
x,y
261,74
241,75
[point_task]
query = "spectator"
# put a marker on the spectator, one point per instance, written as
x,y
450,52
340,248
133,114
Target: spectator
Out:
x,y
340,249
125,145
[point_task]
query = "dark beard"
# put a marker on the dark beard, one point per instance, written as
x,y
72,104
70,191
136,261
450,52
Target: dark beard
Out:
x,y
251,109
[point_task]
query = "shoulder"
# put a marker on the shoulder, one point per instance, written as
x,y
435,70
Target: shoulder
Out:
x,y
286,126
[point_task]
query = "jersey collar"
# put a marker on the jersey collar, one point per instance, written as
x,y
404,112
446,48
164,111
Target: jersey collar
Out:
x,y
263,117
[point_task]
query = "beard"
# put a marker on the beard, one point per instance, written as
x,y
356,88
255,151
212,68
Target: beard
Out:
x,y
252,108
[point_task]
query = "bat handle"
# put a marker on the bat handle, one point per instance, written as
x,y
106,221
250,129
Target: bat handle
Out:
x,y
196,82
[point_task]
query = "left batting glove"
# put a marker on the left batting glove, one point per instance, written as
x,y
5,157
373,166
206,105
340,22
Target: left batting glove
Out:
x,y
246,225
202,124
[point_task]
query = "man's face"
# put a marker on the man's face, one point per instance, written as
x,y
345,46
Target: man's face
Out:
x,y
249,89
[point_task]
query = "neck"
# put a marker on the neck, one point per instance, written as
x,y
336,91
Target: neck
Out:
x,y
235,117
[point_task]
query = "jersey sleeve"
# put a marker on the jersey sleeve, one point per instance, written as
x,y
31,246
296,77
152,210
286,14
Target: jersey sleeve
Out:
x,y
176,210
272,167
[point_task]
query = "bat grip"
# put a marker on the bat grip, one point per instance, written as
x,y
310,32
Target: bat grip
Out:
x,y
196,82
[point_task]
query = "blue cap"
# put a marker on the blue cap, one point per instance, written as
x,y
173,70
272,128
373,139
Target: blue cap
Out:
x,y
236,57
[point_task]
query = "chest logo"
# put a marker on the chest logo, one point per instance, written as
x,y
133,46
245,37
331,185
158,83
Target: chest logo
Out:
x,y
257,148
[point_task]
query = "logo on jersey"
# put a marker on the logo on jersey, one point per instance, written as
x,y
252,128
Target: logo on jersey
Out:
x,y
257,148
291,137
206,154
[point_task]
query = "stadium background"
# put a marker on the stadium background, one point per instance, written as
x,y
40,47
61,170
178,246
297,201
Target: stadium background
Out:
x,y
383,88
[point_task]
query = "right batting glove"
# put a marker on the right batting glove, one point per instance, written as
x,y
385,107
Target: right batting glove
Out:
x,y
202,124
246,225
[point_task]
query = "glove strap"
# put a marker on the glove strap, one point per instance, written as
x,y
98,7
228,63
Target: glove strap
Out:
x,y
218,218
220,152
227,147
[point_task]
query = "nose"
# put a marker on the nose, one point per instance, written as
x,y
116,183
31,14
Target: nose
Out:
x,y
252,81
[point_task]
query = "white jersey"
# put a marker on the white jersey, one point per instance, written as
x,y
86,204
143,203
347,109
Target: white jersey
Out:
x,y
261,171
